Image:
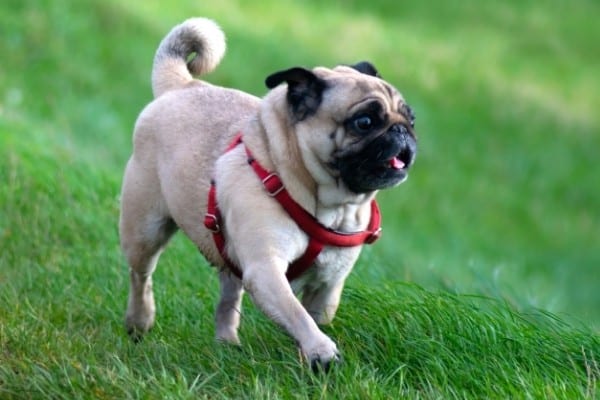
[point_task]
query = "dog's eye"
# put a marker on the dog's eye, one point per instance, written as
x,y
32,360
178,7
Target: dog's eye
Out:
x,y
363,123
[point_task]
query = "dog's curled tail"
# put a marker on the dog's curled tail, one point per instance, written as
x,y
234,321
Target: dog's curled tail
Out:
x,y
192,48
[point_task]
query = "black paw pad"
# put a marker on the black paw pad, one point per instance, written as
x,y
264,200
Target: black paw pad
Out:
x,y
319,366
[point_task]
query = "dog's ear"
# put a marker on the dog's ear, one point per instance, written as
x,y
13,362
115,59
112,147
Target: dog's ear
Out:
x,y
304,92
366,67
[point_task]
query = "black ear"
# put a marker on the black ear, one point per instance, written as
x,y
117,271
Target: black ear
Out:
x,y
366,67
305,90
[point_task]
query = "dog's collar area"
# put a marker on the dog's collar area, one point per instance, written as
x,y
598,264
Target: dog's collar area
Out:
x,y
319,235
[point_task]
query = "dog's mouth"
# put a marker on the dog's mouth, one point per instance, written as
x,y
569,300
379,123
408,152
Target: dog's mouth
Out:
x,y
396,163
381,164
402,160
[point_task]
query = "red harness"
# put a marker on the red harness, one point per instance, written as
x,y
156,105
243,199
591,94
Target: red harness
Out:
x,y
320,236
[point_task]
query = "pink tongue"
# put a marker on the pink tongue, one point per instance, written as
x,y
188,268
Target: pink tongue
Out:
x,y
396,163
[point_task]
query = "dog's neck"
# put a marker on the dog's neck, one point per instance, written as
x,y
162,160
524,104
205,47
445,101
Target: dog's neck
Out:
x,y
347,212
283,158
337,209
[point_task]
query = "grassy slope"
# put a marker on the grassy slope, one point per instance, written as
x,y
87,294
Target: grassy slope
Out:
x,y
506,115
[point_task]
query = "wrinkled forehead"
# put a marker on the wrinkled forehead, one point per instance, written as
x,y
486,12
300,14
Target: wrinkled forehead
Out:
x,y
350,86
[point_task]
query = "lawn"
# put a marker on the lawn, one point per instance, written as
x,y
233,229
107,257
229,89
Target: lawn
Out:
x,y
485,283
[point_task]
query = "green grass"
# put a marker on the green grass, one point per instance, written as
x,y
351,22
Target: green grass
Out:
x,y
484,285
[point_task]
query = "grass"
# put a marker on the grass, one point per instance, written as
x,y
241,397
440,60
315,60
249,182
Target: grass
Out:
x,y
484,284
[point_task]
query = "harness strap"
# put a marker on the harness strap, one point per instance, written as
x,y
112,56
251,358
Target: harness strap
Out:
x,y
319,235
212,222
307,222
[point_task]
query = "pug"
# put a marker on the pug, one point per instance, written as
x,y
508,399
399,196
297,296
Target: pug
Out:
x,y
215,162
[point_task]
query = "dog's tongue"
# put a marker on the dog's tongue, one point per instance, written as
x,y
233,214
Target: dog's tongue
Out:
x,y
396,163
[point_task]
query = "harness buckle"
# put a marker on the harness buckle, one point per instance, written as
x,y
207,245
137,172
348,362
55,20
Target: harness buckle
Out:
x,y
211,222
273,184
373,236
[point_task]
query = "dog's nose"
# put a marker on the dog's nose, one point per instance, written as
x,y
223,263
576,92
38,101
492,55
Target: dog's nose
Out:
x,y
399,128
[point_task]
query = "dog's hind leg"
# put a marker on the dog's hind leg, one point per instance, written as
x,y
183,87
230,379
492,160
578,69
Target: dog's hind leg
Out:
x,y
322,302
229,308
145,228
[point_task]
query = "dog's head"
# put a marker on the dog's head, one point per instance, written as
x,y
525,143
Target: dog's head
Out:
x,y
350,125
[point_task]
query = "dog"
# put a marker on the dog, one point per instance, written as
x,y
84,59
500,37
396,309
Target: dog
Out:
x,y
325,139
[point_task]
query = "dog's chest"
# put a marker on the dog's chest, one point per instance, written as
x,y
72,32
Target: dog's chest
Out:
x,y
347,218
334,262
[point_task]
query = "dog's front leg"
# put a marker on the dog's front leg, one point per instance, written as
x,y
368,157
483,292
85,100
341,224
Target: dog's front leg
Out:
x,y
271,292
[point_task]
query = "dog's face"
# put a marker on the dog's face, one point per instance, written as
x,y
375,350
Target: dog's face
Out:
x,y
350,124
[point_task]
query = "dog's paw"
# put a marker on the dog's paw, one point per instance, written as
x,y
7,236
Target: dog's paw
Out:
x,y
322,356
135,334
228,336
137,326
319,366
